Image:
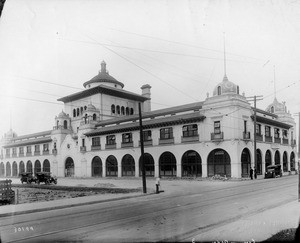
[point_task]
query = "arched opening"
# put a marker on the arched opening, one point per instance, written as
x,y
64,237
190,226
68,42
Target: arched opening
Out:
x,y
191,164
74,112
118,110
8,169
29,166
2,169
292,161
128,165
285,162
127,111
277,158
94,117
21,167
245,162
218,163
65,124
219,90
111,166
167,164
46,166
259,162
149,165
37,166
96,167
131,111
122,110
81,110
113,109
69,167
268,158
77,111
14,169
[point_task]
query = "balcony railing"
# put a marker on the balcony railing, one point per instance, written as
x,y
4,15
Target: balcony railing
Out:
x,y
21,154
93,147
46,152
259,137
37,153
166,141
82,149
60,127
277,140
111,146
246,135
146,142
186,139
126,145
268,139
217,136
285,141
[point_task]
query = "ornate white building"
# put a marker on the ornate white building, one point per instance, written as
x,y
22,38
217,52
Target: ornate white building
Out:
x,y
97,135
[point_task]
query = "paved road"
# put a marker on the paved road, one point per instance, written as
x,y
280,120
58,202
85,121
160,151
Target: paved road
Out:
x,y
176,216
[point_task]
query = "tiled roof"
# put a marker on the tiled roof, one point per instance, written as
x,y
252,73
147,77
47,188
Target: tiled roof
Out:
x,y
159,122
103,89
272,122
28,142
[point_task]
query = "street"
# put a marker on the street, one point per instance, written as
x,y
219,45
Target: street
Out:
x,y
179,215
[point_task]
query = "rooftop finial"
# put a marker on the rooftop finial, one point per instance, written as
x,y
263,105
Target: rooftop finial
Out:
x,y
224,54
103,67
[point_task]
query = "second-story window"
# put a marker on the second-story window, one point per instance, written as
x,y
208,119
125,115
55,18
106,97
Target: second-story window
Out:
x,y
36,148
147,136
14,151
166,133
285,134
190,130
46,147
28,149
96,141
126,137
217,127
111,139
7,151
267,131
276,133
258,129
21,150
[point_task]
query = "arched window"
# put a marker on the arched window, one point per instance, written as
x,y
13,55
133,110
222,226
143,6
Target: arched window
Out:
x,y
85,119
245,162
148,163
74,112
285,161
272,109
268,158
127,111
219,90
77,111
122,110
167,164
191,164
96,167
118,110
85,107
113,109
65,124
131,111
81,110
94,117
57,124
238,90
277,158
128,165
111,166
219,163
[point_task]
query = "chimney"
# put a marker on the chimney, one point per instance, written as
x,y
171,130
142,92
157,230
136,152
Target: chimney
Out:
x,y
146,93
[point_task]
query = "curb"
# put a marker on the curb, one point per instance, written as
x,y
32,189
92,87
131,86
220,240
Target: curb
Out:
x,y
69,205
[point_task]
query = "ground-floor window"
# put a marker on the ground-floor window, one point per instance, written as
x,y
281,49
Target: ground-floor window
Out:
x,y
14,169
37,167
8,169
21,167
69,167
46,166
128,165
284,162
2,169
191,164
111,166
277,158
29,166
96,167
149,165
218,163
268,158
167,164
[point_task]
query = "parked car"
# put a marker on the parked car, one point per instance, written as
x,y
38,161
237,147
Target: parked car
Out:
x,y
27,177
273,171
45,177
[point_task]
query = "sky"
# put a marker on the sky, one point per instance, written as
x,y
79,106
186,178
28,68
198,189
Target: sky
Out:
x,y
48,49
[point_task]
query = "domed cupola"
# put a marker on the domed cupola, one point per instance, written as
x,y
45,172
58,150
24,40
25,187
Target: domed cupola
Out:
x,y
103,78
226,87
62,121
63,115
90,107
276,107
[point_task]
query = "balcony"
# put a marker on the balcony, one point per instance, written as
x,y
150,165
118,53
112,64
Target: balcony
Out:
x,y
21,154
14,155
146,143
126,145
46,152
111,146
166,141
82,149
277,140
187,139
268,139
259,137
28,154
217,136
95,147
54,151
37,153
246,135
285,141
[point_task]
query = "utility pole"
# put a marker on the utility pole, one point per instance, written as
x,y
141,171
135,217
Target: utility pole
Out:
x,y
142,151
255,98
298,156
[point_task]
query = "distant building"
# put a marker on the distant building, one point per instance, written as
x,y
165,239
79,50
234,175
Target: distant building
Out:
x,y
97,135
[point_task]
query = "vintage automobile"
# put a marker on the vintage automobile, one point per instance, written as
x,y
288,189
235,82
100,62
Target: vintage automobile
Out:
x,y
45,177
273,171
27,177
